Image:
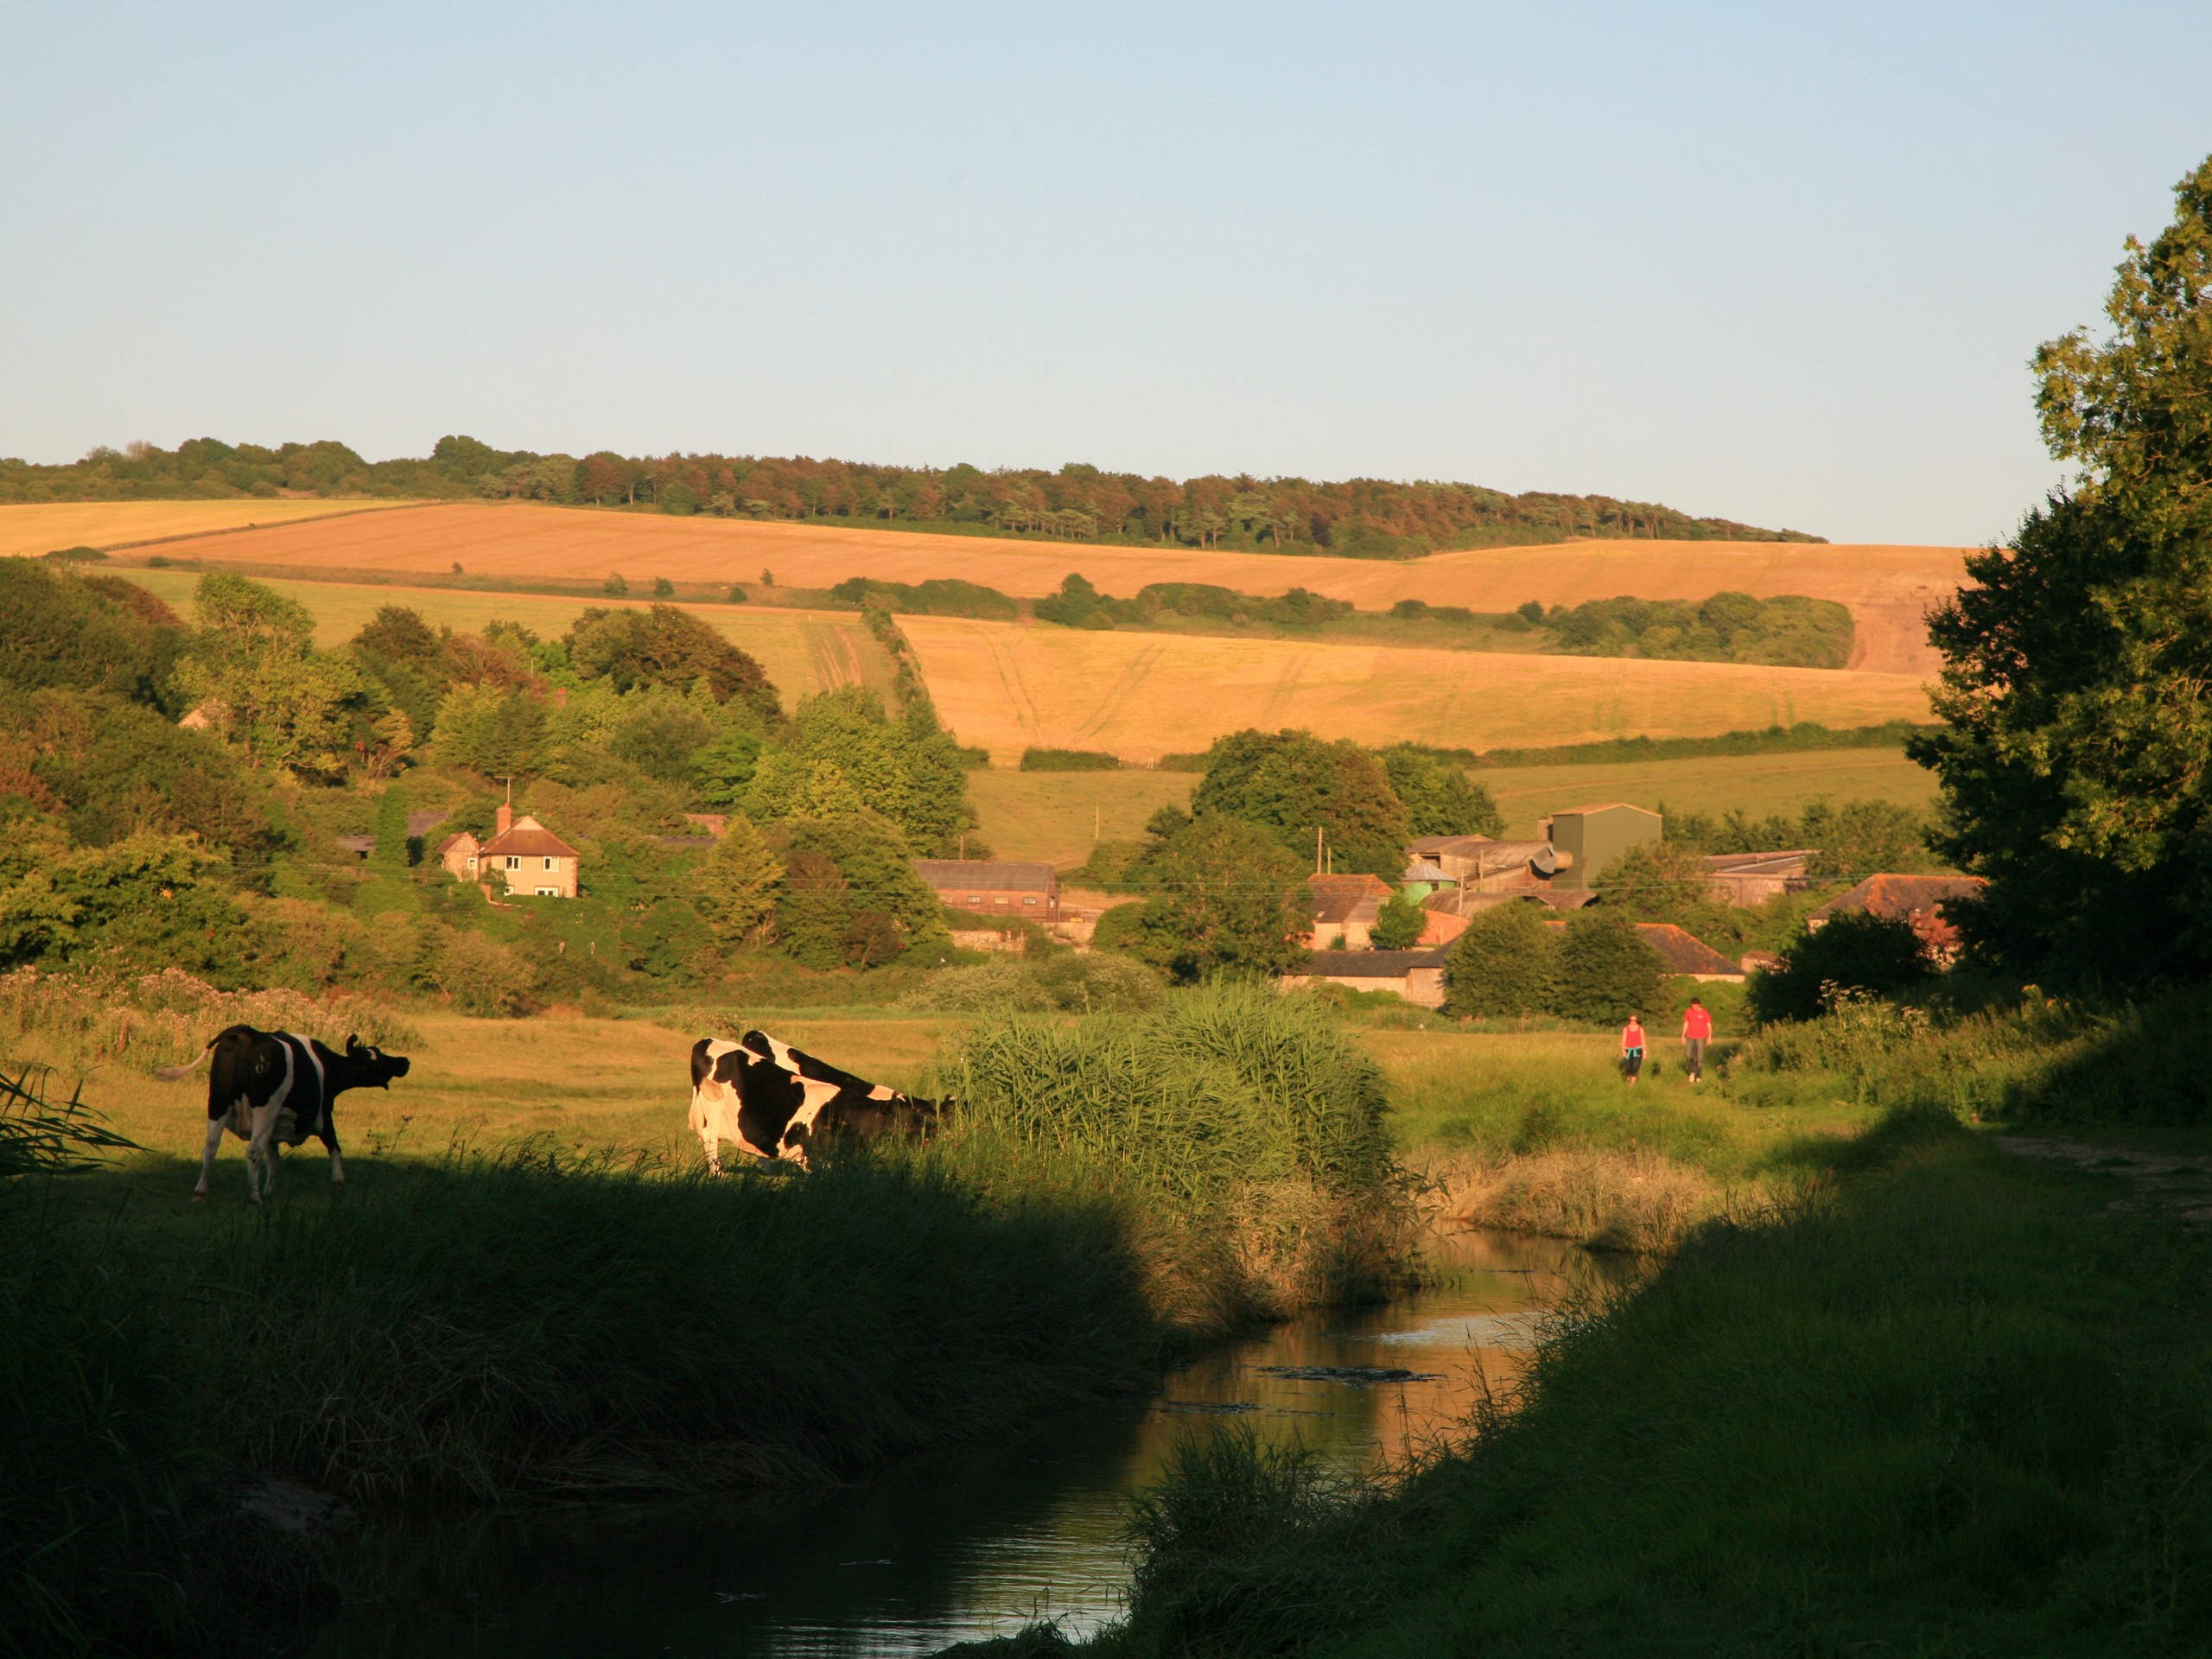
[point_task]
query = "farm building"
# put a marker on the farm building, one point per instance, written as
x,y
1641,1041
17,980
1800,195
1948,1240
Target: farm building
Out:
x,y
1344,907
1482,864
1594,836
1684,955
461,855
1916,899
1417,976
1749,878
992,887
528,856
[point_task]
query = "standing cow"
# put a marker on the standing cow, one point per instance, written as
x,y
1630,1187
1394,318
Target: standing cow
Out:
x,y
267,1087
776,1101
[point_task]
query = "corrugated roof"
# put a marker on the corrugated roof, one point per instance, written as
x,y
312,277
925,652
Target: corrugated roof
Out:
x,y
1604,806
985,875
529,839
1756,863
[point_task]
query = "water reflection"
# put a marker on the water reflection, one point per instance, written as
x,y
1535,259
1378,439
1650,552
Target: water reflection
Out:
x,y
959,1547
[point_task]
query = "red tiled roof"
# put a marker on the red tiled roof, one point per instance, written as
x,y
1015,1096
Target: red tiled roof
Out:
x,y
1900,897
529,839
1346,898
986,875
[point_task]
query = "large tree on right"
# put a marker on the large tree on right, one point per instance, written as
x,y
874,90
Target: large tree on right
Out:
x,y
2077,766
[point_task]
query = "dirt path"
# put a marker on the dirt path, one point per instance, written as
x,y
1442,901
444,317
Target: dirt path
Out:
x,y
2182,1185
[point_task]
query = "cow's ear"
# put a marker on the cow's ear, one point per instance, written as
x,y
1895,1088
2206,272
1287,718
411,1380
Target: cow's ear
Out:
x,y
353,1042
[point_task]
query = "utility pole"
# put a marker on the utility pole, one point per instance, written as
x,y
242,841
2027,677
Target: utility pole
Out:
x,y
1317,849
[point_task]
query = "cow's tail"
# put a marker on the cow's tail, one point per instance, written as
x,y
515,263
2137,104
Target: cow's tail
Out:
x,y
171,1073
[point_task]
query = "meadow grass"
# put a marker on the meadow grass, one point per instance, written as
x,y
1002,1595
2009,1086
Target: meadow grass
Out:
x,y
1952,1403
547,1300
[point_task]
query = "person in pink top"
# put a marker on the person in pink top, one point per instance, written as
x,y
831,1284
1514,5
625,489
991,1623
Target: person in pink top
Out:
x,y
1697,1032
1631,1049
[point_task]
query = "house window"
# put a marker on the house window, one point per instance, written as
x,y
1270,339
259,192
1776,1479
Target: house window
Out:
x,y
1029,901
548,892
548,863
513,863
471,863
974,898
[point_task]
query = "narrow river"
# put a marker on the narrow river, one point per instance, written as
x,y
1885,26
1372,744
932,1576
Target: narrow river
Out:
x,y
959,1545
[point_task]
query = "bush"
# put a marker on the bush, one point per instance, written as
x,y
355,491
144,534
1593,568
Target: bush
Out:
x,y
1439,798
1399,925
483,976
1069,760
1065,980
1854,951
1506,963
1606,971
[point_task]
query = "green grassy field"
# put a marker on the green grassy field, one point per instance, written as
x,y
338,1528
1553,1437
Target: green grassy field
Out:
x,y
1055,816
1050,815
1755,784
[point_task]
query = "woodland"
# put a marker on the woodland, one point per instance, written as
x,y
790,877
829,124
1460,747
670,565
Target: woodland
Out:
x,y
1360,518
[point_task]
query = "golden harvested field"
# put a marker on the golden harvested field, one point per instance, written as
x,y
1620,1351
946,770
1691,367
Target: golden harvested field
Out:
x,y
804,651
1009,686
1886,587
42,527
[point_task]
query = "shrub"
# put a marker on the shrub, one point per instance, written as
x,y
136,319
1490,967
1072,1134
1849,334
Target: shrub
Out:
x,y
1067,981
1606,971
1069,760
1399,925
483,976
1855,950
1506,963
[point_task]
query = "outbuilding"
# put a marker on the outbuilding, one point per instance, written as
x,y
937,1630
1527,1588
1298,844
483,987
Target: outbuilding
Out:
x,y
994,888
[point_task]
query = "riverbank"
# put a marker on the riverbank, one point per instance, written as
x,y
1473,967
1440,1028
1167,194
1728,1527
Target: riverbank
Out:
x,y
1944,1399
544,1322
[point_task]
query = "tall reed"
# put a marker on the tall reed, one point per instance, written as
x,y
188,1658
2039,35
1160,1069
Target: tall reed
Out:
x,y
1243,1125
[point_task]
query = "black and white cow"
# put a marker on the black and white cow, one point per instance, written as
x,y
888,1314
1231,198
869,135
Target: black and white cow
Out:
x,y
271,1086
776,1101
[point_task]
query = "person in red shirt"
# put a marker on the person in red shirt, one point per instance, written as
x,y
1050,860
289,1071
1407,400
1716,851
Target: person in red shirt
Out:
x,y
1697,1032
1631,1049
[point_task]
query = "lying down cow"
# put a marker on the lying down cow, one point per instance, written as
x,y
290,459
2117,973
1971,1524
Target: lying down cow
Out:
x,y
777,1102
267,1087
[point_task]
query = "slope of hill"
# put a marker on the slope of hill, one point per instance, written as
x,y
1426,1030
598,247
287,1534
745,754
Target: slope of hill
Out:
x,y
1887,588
1007,687
1359,517
43,528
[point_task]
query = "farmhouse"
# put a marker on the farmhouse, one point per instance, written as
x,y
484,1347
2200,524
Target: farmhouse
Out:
x,y
1344,907
1914,900
1594,836
1748,879
994,888
531,857
1417,976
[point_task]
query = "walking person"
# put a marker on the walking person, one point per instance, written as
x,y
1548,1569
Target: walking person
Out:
x,y
1697,1032
1632,1049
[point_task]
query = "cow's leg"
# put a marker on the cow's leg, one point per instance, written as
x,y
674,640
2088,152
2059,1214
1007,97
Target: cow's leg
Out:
x,y
208,1158
337,1164
261,1153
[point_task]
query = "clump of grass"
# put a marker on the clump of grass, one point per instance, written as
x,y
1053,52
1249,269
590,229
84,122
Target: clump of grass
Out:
x,y
1241,1125
1094,982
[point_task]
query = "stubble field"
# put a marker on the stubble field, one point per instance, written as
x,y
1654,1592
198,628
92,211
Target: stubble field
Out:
x,y
42,527
802,651
1886,587
1139,696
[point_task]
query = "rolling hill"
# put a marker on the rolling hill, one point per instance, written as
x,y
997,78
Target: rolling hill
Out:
x,y
1886,587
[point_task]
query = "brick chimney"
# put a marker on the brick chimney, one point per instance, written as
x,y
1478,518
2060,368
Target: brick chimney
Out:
x,y
505,819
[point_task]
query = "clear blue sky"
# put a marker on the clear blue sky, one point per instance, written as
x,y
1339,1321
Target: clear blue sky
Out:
x,y
1781,263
